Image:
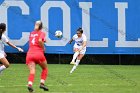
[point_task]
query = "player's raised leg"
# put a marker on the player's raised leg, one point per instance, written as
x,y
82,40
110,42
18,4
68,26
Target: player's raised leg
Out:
x,y
78,59
80,56
74,56
31,67
44,75
5,64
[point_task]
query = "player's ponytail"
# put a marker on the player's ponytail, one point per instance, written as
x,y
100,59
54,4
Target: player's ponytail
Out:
x,y
0,33
2,28
80,30
40,26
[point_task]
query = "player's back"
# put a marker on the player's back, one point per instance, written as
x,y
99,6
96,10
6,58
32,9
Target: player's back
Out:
x,y
34,42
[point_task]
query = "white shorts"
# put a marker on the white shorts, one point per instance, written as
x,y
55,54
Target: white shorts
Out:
x,y
1,55
83,51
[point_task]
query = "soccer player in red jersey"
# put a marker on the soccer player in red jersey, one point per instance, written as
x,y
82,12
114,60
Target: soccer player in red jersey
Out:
x,y
35,55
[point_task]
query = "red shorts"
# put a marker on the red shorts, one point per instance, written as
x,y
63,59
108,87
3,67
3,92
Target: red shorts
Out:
x,y
35,57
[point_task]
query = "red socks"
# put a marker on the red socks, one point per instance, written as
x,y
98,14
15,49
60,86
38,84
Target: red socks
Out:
x,y
44,75
31,79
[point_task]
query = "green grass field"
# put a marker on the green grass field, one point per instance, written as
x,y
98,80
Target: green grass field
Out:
x,y
86,79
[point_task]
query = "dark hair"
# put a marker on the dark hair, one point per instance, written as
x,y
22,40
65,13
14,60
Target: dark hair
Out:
x,y
80,30
40,26
2,28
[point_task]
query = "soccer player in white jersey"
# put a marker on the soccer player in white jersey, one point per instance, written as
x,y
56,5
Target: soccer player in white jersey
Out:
x,y
3,39
79,48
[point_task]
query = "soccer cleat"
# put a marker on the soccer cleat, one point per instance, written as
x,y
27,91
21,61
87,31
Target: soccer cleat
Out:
x,y
73,69
71,72
72,63
42,86
30,88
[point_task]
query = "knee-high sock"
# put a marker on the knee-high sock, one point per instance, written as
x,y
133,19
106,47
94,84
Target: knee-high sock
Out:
x,y
75,56
2,68
77,62
31,79
74,67
44,75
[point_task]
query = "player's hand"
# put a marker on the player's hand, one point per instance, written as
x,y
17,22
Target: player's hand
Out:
x,y
20,49
79,50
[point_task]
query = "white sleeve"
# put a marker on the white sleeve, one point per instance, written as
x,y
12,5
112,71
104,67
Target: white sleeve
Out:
x,y
74,37
4,39
84,38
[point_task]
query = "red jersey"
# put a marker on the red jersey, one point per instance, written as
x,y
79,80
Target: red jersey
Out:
x,y
33,41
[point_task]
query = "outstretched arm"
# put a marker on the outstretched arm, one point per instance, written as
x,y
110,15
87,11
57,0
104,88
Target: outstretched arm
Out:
x,y
12,45
70,41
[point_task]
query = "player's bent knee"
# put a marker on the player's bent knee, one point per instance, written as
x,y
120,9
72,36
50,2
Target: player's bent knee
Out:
x,y
7,65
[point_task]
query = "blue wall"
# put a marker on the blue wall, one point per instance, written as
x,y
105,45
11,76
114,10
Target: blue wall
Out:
x,y
102,23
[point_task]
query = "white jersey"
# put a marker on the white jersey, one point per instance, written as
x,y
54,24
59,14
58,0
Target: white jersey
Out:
x,y
79,41
3,40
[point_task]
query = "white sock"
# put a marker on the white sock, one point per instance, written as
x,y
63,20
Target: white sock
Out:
x,y
74,67
2,68
30,83
77,62
75,56
42,81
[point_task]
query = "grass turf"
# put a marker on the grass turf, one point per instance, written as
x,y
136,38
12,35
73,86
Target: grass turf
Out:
x,y
86,79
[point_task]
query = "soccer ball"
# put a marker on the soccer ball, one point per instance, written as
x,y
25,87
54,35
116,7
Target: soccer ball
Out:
x,y
58,34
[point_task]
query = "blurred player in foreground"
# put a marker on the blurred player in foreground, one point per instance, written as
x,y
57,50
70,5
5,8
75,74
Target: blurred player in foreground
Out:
x,y
79,48
35,55
4,39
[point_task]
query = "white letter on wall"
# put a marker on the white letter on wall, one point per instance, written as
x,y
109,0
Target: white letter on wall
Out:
x,y
3,14
86,26
122,27
66,21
